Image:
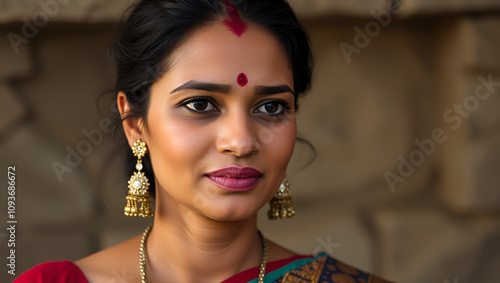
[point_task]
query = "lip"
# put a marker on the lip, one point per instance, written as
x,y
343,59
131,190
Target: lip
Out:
x,y
235,178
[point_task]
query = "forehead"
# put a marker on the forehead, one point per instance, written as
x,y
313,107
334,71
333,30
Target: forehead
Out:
x,y
214,51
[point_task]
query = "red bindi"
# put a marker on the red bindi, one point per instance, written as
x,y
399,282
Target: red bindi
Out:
x,y
234,23
242,80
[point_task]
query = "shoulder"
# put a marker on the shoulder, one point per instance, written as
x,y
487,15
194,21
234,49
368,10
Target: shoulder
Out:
x,y
118,263
328,269
277,252
53,272
340,270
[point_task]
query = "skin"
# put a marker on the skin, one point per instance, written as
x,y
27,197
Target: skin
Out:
x,y
202,233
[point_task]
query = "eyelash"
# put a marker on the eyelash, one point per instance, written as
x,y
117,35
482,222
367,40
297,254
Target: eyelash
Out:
x,y
184,104
282,103
199,99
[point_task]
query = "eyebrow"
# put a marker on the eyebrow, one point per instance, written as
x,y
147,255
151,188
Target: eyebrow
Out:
x,y
225,89
211,87
268,90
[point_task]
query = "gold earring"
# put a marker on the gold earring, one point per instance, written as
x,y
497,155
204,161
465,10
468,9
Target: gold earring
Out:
x,y
281,205
138,196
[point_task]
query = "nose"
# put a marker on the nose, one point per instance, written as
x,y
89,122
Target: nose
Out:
x,y
238,135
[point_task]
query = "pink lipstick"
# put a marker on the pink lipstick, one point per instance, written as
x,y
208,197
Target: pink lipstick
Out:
x,y
235,178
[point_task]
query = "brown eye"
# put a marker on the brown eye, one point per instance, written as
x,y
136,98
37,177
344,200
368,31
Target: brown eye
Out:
x,y
271,108
200,105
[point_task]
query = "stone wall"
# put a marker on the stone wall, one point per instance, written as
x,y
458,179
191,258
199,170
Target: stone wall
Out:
x,y
403,114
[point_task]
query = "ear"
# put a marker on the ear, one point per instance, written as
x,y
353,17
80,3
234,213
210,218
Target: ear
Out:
x,y
133,127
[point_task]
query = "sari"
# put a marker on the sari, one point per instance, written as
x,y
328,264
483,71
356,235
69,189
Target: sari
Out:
x,y
307,269
296,269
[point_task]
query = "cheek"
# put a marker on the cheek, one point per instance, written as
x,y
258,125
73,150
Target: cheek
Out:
x,y
279,140
176,148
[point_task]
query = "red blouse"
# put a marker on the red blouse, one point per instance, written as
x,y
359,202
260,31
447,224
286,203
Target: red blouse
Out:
x,y
53,272
67,272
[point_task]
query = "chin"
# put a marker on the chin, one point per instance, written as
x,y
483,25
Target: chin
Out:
x,y
221,205
234,211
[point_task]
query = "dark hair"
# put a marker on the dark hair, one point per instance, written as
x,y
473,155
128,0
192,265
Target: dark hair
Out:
x,y
155,28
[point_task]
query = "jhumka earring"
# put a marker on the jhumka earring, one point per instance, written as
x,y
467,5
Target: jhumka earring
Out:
x,y
281,205
138,196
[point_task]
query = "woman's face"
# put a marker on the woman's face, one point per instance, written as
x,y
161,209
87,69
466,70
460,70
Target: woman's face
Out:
x,y
226,101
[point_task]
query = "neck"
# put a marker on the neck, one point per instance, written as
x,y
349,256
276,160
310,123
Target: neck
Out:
x,y
184,246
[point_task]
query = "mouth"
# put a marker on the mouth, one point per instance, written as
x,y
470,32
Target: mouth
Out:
x,y
235,178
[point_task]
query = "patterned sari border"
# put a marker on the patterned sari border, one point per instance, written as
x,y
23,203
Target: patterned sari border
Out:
x,y
274,275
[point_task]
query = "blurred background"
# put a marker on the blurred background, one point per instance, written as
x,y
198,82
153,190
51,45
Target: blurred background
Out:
x,y
404,114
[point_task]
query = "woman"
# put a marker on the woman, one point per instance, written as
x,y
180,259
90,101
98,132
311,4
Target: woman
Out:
x,y
207,95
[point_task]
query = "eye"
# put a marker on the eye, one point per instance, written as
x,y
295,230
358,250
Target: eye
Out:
x,y
272,108
199,104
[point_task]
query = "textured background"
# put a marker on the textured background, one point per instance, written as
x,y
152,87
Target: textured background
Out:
x,y
390,75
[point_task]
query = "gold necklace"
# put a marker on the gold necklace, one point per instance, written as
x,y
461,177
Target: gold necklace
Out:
x,y
143,265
